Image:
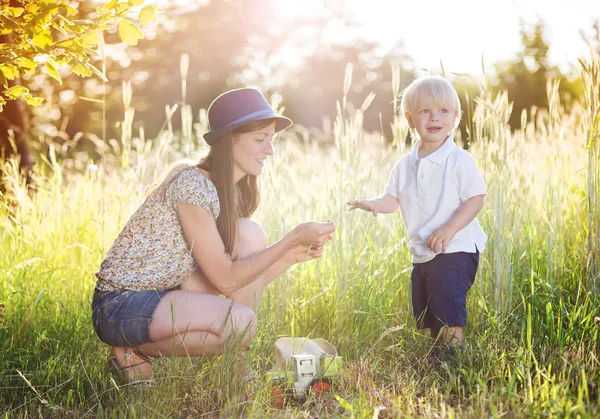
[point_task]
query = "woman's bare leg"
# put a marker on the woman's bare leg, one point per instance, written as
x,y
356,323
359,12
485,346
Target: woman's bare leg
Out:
x,y
189,324
252,239
195,321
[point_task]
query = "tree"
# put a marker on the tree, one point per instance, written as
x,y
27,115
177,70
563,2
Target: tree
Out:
x,y
526,79
45,37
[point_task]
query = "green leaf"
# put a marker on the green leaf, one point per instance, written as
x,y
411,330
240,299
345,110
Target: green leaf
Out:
x,y
81,70
129,33
344,403
53,71
136,2
16,92
42,39
148,14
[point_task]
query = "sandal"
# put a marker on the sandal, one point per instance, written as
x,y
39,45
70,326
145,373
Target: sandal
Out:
x,y
114,364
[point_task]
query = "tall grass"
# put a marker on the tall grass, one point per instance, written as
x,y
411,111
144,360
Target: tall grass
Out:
x,y
532,337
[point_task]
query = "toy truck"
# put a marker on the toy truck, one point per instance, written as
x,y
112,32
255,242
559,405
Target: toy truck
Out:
x,y
302,365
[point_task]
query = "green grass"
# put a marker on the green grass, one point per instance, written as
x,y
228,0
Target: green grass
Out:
x,y
532,338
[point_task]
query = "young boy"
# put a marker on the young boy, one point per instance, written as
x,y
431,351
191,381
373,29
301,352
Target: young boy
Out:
x,y
439,192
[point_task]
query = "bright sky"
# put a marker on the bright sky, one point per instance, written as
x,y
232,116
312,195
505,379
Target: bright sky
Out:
x,y
458,32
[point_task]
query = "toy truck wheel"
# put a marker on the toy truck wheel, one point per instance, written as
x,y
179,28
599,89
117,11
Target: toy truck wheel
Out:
x,y
278,396
319,387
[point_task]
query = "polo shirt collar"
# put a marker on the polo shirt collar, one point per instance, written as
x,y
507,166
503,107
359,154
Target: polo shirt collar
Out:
x,y
438,156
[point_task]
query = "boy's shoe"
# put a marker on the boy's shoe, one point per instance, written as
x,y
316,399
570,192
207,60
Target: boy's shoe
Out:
x,y
444,353
453,350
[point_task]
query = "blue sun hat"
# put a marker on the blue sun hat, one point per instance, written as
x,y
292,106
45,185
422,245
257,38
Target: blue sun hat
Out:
x,y
237,107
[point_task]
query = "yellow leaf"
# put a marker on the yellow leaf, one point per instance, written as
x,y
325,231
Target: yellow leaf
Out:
x,y
90,99
71,11
53,71
90,39
23,62
81,70
97,72
14,11
16,92
109,5
10,71
42,40
148,14
122,8
33,8
33,100
129,33
136,2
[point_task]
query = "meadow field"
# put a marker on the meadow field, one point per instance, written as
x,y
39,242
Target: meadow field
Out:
x,y
532,339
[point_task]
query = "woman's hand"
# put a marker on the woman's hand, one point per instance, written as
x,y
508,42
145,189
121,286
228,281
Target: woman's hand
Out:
x,y
312,233
303,253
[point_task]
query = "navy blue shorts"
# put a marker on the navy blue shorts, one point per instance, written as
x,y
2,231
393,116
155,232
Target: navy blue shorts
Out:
x,y
122,317
439,289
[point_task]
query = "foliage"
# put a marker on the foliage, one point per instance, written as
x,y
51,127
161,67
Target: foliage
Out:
x,y
532,336
526,77
46,34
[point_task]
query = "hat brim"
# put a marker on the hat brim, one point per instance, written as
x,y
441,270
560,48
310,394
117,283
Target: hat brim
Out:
x,y
281,123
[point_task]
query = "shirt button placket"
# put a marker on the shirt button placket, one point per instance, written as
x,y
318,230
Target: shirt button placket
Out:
x,y
420,180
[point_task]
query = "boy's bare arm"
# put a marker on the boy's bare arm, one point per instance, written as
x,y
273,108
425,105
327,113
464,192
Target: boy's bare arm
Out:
x,y
384,204
464,215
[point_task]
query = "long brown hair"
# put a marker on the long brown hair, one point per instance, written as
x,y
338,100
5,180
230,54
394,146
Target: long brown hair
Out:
x,y
235,201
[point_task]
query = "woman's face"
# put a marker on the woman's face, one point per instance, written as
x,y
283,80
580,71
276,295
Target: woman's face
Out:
x,y
250,151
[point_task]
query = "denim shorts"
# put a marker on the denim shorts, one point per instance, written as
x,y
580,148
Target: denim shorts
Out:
x,y
439,289
122,317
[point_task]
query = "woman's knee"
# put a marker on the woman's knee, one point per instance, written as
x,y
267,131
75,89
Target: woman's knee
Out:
x,y
252,237
241,325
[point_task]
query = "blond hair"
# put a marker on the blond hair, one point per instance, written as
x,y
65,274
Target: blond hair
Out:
x,y
430,88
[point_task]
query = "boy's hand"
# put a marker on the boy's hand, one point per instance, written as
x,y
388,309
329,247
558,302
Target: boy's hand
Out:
x,y
364,205
440,237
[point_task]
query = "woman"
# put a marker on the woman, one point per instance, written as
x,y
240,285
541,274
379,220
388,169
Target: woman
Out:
x,y
186,274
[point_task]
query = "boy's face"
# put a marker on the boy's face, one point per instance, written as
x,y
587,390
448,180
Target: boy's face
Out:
x,y
432,121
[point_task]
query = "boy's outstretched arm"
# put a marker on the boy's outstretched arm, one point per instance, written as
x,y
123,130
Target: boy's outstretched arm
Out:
x,y
384,204
463,216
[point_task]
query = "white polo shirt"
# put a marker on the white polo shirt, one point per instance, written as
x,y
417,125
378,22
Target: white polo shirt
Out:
x,y
430,191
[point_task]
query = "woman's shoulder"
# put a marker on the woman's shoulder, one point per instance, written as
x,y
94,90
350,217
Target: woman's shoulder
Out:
x,y
193,187
195,176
